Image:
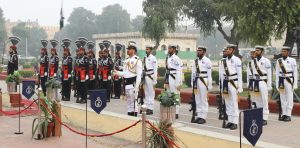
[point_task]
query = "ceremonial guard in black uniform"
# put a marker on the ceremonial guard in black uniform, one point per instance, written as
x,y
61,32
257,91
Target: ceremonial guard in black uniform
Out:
x,y
44,64
54,60
99,71
92,66
12,65
83,69
107,67
118,65
75,72
66,71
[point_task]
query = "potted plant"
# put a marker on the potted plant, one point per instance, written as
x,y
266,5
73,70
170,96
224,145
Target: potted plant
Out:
x,y
47,120
12,81
52,87
168,101
154,139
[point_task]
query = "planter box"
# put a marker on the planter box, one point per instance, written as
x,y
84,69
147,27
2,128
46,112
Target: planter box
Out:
x,y
167,113
11,87
15,100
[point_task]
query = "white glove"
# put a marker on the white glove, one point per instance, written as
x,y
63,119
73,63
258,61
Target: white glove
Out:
x,y
46,73
69,75
54,74
240,90
86,77
109,77
209,87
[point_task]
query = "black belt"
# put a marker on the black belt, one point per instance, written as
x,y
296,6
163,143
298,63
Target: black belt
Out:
x,y
129,81
230,79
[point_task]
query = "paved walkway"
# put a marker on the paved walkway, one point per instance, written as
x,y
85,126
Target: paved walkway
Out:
x,y
281,133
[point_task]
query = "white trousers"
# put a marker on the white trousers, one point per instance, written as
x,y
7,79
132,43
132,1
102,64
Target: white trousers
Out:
x,y
287,99
262,100
132,104
172,88
231,102
201,99
149,93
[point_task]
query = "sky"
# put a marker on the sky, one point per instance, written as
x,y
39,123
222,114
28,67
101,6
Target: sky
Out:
x,y
47,12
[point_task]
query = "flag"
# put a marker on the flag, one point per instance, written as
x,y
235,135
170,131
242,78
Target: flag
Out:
x,y
253,124
98,99
28,88
61,22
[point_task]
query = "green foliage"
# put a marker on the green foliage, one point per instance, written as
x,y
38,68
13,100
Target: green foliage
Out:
x,y
160,17
215,76
27,65
114,19
52,83
15,77
3,33
156,140
187,78
26,73
33,34
137,23
168,99
244,76
160,82
1,69
161,71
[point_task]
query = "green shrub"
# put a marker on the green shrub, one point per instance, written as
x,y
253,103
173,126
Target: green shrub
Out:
x,y
161,71
215,76
244,75
27,65
26,73
160,82
187,78
1,69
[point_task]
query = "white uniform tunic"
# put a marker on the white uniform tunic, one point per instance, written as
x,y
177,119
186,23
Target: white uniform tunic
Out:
x,y
132,69
234,66
264,82
150,63
202,88
286,94
174,64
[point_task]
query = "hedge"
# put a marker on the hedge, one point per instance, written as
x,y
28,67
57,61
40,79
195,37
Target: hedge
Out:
x,y
187,78
161,71
160,82
26,73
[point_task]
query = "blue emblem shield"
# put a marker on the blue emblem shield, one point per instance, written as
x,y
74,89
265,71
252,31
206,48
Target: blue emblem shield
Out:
x,y
98,99
28,88
253,119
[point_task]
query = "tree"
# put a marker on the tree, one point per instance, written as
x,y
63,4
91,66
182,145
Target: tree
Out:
x,y
33,34
161,16
3,34
137,23
114,19
267,19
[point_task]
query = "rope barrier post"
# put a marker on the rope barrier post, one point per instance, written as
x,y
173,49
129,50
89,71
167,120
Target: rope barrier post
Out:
x,y
39,135
0,101
144,108
20,98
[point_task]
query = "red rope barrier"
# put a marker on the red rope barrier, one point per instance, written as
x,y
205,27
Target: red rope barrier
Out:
x,y
20,112
83,134
160,133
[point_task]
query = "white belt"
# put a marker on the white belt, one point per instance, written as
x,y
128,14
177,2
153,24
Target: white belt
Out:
x,y
286,75
260,77
230,77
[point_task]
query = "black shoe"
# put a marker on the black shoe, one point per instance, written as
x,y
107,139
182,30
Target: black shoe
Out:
x,y
108,100
67,99
233,126
149,112
287,119
282,118
265,122
83,101
135,114
228,125
196,120
130,113
77,100
201,121
177,116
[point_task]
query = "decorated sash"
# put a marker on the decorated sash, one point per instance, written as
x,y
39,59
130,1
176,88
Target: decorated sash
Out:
x,y
281,79
65,72
197,75
225,81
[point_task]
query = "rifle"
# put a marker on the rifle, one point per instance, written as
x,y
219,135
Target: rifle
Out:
x,y
141,94
221,106
193,102
249,100
279,108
